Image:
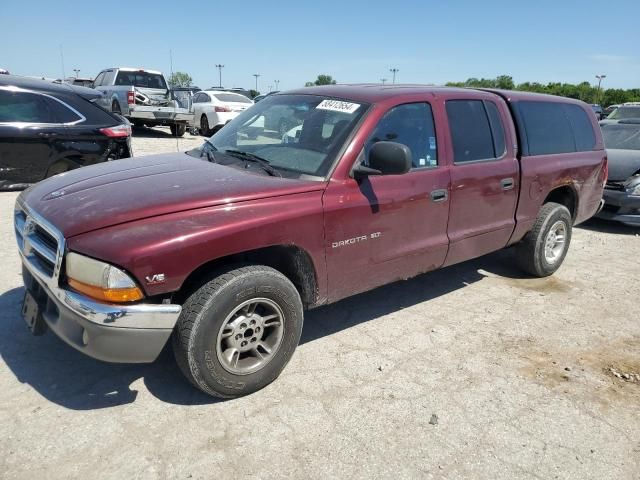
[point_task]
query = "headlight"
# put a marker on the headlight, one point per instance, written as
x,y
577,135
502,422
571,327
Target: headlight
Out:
x,y
633,185
100,280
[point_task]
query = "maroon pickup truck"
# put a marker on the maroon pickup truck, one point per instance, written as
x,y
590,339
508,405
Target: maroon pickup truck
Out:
x,y
223,247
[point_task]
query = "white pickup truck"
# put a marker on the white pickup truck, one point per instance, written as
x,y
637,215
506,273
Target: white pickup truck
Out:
x,y
143,97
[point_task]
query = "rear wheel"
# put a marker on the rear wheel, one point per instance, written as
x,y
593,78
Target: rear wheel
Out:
x,y
543,249
177,130
204,126
238,331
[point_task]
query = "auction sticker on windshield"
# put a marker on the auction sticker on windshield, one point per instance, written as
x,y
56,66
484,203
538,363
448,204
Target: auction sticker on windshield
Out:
x,y
338,106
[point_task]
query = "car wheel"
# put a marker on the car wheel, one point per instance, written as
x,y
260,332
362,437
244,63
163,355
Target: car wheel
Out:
x,y
544,247
238,331
115,107
204,126
178,130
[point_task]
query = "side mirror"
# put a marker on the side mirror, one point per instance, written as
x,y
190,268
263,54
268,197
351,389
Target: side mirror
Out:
x,y
386,158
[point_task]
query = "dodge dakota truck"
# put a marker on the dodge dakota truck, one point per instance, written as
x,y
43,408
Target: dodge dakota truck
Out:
x,y
223,247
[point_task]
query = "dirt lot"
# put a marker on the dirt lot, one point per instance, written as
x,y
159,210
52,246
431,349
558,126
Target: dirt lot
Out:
x,y
471,372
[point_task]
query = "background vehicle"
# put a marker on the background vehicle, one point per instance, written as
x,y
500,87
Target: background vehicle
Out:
x,y
48,128
241,91
263,96
80,82
623,112
597,109
142,96
212,109
622,191
610,109
381,184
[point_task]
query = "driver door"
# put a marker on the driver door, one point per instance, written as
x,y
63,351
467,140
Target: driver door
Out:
x,y
384,228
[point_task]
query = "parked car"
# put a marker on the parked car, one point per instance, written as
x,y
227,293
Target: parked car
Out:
x,y
597,109
223,247
143,97
48,128
80,82
623,112
622,191
263,96
213,109
607,111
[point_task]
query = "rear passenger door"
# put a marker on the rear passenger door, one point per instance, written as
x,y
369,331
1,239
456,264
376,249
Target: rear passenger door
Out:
x,y
484,177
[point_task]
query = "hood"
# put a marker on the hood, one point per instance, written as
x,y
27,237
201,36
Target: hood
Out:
x,y
120,191
622,164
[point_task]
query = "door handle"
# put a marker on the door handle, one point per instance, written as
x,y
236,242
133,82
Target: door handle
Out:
x,y
439,195
507,183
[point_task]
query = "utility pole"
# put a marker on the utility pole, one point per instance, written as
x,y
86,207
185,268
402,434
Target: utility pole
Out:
x,y
600,77
77,71
219,66
277,82
256,75
394,71
383,80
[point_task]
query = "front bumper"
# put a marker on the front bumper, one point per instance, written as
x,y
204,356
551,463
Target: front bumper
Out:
x,y
127,333
619,206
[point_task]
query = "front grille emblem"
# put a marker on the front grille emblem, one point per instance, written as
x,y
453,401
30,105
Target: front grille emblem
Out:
x,y
28,228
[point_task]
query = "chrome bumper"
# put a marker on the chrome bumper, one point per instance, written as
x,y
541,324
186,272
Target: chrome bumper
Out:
x,y
110,332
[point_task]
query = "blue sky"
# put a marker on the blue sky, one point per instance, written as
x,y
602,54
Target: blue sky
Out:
x,y
352,40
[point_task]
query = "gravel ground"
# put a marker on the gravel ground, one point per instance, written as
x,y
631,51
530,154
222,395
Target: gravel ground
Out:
x,y
471,372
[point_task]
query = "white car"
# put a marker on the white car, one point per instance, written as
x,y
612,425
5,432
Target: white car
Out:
x,y
213,109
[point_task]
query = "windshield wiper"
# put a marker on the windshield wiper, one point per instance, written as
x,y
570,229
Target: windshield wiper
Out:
x,y
263,162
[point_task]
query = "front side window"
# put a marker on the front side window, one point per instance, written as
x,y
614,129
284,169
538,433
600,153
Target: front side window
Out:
x,y
98,81
412,125
296,134
24,107
471,133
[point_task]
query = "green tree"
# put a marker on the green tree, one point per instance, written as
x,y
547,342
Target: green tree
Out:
x,y
254,93
180,79
321,80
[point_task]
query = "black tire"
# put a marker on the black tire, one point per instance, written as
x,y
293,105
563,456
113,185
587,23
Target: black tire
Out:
x,y
204,126
115,107
197,335
178,130
530,252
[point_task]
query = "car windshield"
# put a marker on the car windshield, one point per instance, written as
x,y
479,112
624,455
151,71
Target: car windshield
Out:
x,y
621,136
622,113
298,135
141,79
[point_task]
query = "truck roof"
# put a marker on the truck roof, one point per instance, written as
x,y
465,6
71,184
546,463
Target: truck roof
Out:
x,y
131,69
375,92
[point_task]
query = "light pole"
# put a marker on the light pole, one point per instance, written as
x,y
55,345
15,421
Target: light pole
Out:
x,y
256,75
600,77
394,71
277,82
219,66
77,71
383,80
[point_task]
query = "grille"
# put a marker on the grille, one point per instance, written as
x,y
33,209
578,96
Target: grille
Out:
x,y
38,241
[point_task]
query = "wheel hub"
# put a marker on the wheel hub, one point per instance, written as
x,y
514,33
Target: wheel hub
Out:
x,y
554,244
250,336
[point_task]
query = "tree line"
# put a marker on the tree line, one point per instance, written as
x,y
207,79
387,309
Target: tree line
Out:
x,y
582,91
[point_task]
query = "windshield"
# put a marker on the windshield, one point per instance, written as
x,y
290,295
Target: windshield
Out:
x,y
296,134
141,79
622,113
621,136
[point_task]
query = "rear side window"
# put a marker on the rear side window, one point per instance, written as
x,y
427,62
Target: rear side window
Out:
x,y
497,129
553,127
582,128
24,107
470,131
61,112
412,125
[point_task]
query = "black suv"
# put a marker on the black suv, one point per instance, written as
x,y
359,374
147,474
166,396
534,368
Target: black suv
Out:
x,y
49,128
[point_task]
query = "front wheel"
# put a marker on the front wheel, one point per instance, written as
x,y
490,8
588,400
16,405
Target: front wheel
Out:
x,y
204,126
238,331
543,248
